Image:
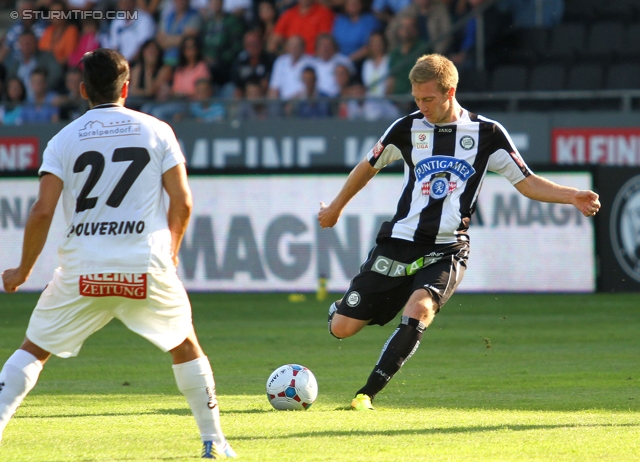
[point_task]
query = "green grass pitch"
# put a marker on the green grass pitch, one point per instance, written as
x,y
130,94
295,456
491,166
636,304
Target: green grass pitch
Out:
x,y
496,378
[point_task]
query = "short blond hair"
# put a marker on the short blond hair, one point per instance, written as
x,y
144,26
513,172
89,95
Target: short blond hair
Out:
x,y
435,67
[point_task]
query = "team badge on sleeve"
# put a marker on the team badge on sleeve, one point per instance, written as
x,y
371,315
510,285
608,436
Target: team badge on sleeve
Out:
x,y
516,157
377,149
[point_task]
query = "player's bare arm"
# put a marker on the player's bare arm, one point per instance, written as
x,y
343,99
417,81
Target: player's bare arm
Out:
x,y
175,184
357,179
540,189
35,232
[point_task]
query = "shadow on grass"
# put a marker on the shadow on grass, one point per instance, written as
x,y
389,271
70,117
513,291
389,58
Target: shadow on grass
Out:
x,y
179,412
222,411
432,431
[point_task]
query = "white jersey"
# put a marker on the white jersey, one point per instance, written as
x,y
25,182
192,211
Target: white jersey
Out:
x,y
111,161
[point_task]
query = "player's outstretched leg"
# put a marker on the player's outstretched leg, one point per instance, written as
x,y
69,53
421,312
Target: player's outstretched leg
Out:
x,y
18,376
402,344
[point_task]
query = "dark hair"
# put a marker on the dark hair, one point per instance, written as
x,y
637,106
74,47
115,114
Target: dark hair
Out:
x,y
310,69
22,87
40,71
383,37
140,56
28,32
62,5
182,60
104,74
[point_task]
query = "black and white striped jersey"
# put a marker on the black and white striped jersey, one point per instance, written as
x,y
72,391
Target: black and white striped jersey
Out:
x,y
444,166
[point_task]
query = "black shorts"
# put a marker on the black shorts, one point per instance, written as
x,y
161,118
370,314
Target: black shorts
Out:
x,y
395,269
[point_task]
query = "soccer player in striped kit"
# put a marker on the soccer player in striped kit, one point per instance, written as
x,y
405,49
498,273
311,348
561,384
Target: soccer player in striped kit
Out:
x,y
420,255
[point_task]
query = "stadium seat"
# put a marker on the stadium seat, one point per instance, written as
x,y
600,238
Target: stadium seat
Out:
x,y
631,44
604,41
472,80
509,77
618,10
585,77
581,10
527,45
623,76
547,77
566,41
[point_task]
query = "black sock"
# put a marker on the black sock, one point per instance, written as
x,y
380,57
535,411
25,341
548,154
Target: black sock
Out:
x,y
402,344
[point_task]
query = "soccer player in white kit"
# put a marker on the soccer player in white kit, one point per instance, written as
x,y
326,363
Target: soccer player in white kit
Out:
x,y
119,254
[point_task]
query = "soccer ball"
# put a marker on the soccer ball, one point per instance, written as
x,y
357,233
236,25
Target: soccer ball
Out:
x,y
292,387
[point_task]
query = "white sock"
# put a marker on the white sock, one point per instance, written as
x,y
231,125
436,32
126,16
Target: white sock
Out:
x,y
195,382
18,376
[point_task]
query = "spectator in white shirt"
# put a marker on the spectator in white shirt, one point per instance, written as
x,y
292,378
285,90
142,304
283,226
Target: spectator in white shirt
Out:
x,y
127,35
286,77
325,62
375,68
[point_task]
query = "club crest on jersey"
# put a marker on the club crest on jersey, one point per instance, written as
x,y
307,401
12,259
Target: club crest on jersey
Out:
x,y
443,164
438,188
377,149
467,143
422,140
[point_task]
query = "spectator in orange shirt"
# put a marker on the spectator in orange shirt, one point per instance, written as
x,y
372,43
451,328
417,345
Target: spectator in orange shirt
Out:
x,y
61,37
307,19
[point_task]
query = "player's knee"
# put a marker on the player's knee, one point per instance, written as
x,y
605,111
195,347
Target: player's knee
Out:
x,y
340,331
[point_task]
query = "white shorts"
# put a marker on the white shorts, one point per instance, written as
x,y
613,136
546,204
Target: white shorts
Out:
x,y
154,306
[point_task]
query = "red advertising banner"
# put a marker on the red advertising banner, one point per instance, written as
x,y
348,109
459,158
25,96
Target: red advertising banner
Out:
x,y
603,146
19,153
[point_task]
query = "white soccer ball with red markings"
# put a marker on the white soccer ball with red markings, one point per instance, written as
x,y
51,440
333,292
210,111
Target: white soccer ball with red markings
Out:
x,y
292,387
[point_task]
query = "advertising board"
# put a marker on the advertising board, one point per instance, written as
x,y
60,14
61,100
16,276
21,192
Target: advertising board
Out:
x,y
603,146
260,233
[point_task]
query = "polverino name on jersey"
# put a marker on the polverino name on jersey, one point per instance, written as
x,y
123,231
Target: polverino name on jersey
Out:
x,y
106,228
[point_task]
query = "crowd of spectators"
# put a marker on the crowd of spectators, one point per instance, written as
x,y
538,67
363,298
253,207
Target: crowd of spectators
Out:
x,y
274,58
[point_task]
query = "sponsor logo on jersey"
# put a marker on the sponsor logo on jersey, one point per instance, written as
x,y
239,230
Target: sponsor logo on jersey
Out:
x,y
443,164
97,129
353,299
125,285
445,130
377,149
438,188
106,228
422,140
392,268
467,143
624,227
